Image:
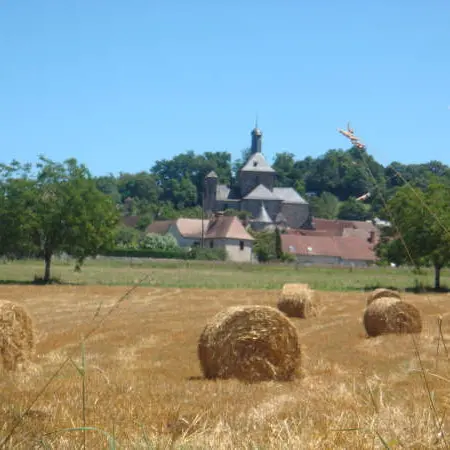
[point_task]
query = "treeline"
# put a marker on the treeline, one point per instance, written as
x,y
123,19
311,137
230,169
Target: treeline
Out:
x,y
173,188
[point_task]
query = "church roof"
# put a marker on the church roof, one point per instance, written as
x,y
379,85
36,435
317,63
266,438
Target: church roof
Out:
x,y
288,195
261,193
263,216
212,174
223,192
257,163
280,218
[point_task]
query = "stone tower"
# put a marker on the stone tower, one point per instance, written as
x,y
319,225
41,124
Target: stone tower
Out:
x,y
209,200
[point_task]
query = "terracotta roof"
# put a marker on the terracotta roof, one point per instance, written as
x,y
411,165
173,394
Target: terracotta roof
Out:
x,y
332,227
191,227
159,226
345,247
130,221
227,227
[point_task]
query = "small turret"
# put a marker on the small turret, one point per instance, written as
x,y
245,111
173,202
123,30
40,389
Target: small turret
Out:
x,y
209,201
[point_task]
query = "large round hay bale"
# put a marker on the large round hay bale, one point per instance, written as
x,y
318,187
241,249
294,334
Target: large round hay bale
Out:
x,y
391,315
296,300
250,343
16,335
382,292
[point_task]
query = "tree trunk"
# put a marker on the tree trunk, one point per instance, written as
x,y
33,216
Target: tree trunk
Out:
x,y
48,262
437,277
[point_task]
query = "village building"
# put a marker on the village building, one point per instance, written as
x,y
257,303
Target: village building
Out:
x,y
220,231
256,192
333,242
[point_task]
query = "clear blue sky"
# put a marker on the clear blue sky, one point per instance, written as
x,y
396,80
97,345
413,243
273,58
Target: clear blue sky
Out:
x,y
120,84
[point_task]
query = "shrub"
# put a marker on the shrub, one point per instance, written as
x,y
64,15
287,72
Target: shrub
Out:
x,y
153,241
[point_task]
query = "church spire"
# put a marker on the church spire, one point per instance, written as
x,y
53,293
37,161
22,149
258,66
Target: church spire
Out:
x,y
256,138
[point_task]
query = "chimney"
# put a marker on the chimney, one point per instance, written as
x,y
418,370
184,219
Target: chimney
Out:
x,y
371,237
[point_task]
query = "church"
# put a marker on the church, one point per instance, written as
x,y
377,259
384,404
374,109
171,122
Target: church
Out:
x,y
256,193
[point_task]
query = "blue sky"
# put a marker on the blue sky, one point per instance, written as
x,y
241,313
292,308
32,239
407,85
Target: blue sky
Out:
x,y
119,85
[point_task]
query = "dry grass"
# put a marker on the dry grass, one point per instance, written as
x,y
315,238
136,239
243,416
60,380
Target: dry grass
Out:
x,y
143,379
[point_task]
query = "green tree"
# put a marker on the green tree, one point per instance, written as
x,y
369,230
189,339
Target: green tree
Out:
x,y
59,209
353,209
126,237
325,206
423,220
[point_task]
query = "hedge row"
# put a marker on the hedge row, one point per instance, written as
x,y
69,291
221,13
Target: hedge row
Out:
x,y
196,253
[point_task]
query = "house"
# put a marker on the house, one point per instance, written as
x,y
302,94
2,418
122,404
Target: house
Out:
x,y
347,228
227,232
329,250
255,192
220,231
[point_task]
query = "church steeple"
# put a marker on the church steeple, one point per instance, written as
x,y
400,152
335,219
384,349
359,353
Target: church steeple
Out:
x,y
256,138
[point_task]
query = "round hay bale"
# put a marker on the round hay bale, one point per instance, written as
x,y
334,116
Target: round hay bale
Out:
x,y
390,315
296,300
382,292
250,343
17,339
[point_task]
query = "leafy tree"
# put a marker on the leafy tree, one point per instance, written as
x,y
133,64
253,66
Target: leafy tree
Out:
x,y
264,245
353,209
423,219
127,237
325,206
144,221
59,209
108,185
142,185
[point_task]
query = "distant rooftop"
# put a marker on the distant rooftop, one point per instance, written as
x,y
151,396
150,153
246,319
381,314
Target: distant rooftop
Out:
x,y
257,163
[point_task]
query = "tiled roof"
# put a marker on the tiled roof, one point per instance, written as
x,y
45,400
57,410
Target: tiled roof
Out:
x,y
332,227
191,227
289,195
257,163
347,248
159,226
227,227
129,221
261,193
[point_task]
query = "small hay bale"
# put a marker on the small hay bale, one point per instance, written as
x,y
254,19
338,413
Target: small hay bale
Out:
x,y
389,315
17,339
250,343
382,292
296,300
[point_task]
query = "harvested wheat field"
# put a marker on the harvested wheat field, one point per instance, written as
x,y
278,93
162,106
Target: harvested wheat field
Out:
x,y
144,384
